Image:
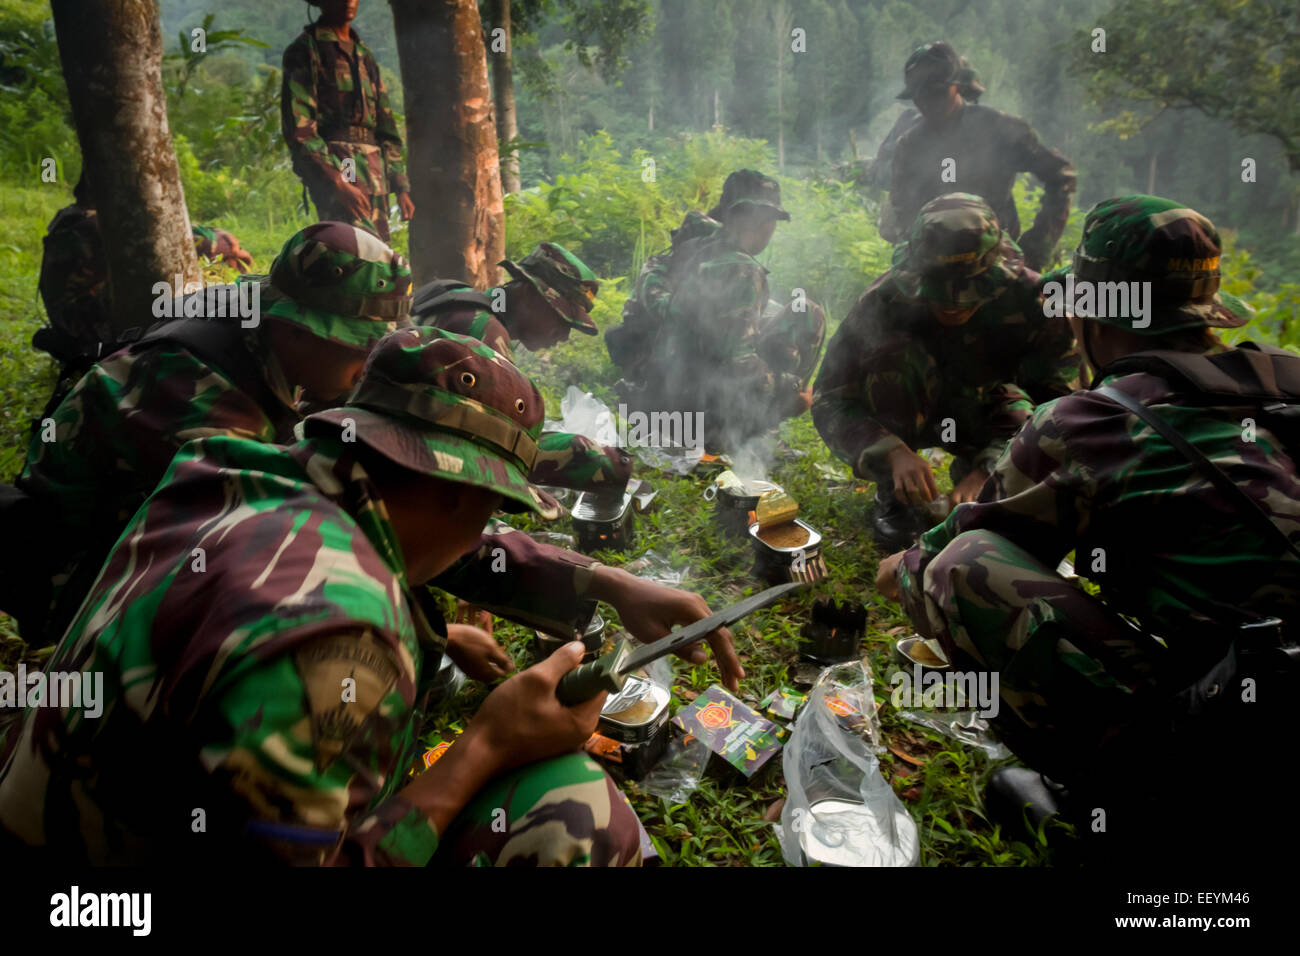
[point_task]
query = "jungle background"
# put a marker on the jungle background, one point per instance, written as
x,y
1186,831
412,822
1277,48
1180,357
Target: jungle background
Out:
x,y
605,90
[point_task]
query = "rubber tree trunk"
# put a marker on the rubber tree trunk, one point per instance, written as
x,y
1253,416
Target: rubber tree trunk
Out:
x,y
458,229
111,52
503,92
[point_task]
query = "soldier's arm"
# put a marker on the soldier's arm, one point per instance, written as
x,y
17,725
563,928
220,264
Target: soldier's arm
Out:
x,y
895,224
1059,180
842,410
391,138
653,289
575,461
299,113
1049,367
1035,499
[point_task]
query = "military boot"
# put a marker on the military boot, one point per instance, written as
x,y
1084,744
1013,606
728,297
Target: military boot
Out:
x,y
1015,793
895,523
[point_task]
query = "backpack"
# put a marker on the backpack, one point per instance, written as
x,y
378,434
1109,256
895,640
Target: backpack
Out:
x,y
447,295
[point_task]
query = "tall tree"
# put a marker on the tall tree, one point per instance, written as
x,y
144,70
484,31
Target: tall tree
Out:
x,y
112,62
503,91
459,227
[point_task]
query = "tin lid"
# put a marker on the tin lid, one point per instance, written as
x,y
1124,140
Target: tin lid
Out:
x,y
849,833
641,703
603,507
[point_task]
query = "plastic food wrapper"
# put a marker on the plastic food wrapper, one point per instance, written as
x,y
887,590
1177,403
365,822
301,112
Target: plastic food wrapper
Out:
x,y
678,460
839,810
555,538
583,414
964,726
732,729
653,566
679,770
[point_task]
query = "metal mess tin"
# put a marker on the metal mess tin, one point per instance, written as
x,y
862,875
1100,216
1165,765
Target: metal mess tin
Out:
x,y
603,521
847,833
779,563
915,650
636,721
593,638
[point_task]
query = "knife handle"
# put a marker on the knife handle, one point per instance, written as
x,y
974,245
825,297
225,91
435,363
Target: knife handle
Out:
x,y
585,682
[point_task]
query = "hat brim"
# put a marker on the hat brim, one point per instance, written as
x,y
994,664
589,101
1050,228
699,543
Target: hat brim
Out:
x,y
573,315
437,454
779,211
352,331
1223,310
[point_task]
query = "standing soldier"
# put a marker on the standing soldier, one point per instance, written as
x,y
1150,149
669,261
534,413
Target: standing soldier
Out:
x,y
974,149
334,109
949,348
550,293
1174,482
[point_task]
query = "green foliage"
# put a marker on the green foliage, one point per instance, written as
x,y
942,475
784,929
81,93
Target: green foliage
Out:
x,y
35,121
1277,310
185,62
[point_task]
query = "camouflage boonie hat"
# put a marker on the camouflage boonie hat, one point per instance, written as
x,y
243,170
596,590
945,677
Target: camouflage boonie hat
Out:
x,y
957,256
447,406
339,282
1150,239
935,64
563,280
749,187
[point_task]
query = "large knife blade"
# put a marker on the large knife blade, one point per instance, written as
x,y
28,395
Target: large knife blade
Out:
x,y
610,671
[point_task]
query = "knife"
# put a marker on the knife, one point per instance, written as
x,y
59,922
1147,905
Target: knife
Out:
x,y
610,671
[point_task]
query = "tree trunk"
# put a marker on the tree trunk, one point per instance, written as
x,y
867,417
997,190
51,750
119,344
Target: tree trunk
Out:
x,y
459,225
111,53
503,90
1151,172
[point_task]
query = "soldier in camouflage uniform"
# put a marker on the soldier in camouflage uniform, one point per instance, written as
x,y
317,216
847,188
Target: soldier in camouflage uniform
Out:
x,y
278,685
988,148
332,292
338,124
1167,549
551,291
949,348
717,344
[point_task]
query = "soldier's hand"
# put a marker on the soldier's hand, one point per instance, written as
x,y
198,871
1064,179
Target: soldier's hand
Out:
x,y
887,576
649,611
476,653
968,489
523,721
913,478
405,206
354,199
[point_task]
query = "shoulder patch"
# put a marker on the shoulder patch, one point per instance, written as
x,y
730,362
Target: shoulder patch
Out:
x,y
345,677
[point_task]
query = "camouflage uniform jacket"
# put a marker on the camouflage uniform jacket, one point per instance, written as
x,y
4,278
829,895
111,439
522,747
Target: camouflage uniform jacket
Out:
x,y
989,148
1006,341
224,682
1085,475
655,283
331,101
117,431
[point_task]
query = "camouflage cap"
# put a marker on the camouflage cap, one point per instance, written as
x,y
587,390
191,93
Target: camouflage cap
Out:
x,y
563,280
957,255
749,187
340,283
447,406
1175,248
935,64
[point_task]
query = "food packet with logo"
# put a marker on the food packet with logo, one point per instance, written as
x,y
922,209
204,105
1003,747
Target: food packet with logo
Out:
x,y
839,809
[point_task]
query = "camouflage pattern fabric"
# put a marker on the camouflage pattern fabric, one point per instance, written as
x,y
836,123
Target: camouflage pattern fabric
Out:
x,y
74,279
655,283
234,706
561,812
562,279
214,243
1163,545
893,375
989,148
333,108
957,256
338,282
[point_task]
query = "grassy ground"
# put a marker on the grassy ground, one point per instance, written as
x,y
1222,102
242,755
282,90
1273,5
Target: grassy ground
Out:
x,y
723,822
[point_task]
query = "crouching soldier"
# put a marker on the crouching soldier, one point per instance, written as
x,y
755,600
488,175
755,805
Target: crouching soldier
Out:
x,y
949,349
550,294
1174,482
264,659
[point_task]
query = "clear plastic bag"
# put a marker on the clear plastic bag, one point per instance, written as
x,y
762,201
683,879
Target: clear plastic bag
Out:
x,y
964,726
583,414
679,771
839,810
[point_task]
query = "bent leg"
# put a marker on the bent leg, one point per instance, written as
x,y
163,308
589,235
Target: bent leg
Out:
x,y
560,812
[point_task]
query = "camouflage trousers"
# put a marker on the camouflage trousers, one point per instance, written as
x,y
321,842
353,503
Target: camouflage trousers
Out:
x,y
1067,665
1135,789
560,812
909,396
330,208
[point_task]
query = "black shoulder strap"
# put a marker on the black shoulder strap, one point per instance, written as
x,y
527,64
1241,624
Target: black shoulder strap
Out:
x,y
446,295
1251,512
1251,372
221,343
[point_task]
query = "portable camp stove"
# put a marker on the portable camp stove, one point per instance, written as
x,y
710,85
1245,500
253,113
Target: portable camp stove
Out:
x,y
603,521
787,552
834,635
